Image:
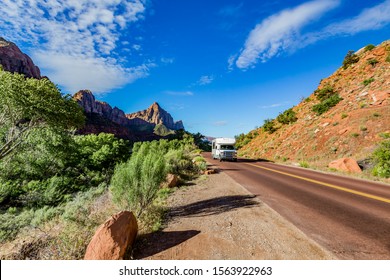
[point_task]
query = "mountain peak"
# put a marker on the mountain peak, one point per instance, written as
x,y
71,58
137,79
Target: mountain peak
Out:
x,y
156,115
13,60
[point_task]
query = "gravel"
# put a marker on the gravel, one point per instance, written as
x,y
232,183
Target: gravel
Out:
x,y
214,218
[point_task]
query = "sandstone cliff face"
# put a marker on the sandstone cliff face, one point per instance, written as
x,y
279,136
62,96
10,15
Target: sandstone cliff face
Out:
x,y
352,129
13,60
101,117
87,101
157,115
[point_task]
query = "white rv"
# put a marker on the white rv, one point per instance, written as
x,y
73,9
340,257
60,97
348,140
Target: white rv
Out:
x,y
223,149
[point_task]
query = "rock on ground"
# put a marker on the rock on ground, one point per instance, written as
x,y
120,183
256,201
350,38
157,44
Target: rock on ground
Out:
x,y
345,164
113,238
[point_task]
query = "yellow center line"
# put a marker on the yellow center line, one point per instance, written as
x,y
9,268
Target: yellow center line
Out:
x,y
325,184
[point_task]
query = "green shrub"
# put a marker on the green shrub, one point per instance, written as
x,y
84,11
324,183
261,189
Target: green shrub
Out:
x,y
78,209
304,164
381,157
368,81
12,221
384,135
177,161
324,93
372,62
287,117
269,126
135,183
388,58
369,47
350,58
344,115
8,191
326,104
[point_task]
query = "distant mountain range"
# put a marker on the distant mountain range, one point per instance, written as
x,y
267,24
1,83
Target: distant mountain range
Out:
x,y
152,123
149,124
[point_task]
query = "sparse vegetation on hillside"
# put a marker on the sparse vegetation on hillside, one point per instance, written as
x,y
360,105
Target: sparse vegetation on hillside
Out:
x,y
328,98
368,81
243,139
269,126
372,62
162,130
326,104
324,93
287,117
325,131
350,58
369,47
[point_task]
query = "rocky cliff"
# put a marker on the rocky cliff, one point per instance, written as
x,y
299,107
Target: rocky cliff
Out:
x,y
101,117
13,60
156,115
351,128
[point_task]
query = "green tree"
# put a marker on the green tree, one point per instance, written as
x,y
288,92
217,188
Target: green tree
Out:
x,y
102,151
28,104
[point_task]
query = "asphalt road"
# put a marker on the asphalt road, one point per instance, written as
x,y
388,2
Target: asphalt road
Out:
x,y
349,217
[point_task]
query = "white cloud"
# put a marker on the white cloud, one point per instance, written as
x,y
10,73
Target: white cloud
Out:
x,y
272,105
369,19
137,47
75,39
167,60
231,61
281,32
103,75
179,93
278,32
205,80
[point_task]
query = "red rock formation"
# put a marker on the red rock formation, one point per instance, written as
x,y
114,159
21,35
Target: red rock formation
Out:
x,y
90,105
157,115
353,128
113,238
345,164
13,60
101,117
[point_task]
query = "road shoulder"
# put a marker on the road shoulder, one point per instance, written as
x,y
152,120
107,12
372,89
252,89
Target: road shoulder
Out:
x,y
216,218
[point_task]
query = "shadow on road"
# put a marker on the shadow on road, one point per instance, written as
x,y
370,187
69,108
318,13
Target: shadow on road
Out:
x,y
213,206
153,243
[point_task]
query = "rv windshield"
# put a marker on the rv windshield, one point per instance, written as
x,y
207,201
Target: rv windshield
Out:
x,y
227,147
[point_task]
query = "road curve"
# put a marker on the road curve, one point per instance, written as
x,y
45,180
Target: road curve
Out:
x,y
349,217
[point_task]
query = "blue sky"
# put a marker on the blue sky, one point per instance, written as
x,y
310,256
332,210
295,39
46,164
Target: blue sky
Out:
x,y
220,66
